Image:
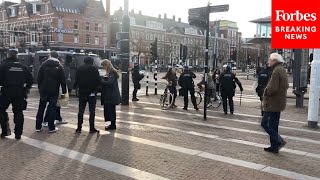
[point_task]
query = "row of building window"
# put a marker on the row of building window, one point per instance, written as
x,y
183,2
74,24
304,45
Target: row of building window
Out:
x,y
33,37
76,26
36,8
88,39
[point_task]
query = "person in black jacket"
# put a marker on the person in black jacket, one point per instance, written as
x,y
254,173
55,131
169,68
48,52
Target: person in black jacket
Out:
x,y
172,79
215,77
136,78
227,82
87,81
263,79
16,81
50,78
187,84
110,94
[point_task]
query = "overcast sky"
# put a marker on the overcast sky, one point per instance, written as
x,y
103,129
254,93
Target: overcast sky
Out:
x,y
241,11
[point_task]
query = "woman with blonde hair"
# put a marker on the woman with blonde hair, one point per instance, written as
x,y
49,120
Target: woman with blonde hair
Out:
x,y
110,94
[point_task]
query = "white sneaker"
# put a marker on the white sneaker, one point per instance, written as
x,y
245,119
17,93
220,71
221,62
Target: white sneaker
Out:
x,y
53,131
45,124
38,130
61,122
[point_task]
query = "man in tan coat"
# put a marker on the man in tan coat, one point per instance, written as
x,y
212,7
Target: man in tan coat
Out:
x,y
274,101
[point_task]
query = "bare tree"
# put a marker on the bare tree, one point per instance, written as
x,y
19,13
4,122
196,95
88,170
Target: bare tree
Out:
x,y
138,46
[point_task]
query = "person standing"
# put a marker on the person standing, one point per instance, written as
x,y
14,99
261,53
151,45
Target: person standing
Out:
x,y
187,85
210,88
228,81
87,81
136,78
172,79
110,94
274,101
16,81
263,78
50,78
215,78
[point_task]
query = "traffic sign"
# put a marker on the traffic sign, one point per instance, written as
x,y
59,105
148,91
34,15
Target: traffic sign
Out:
x,y
213,9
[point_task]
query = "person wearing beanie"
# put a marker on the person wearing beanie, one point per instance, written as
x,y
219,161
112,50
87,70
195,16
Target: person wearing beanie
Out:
x,y
227,82
87,81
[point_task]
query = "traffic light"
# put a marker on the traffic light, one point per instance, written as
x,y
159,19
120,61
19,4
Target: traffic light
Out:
x,y
154,49
185,53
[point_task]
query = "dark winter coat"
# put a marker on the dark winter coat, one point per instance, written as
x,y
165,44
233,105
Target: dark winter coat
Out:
x,y
263,79
275,94
228,81
51,77
186,79
87,80
136,78
110,93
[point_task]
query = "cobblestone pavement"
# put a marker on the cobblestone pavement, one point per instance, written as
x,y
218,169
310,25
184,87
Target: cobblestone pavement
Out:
x,y
151,143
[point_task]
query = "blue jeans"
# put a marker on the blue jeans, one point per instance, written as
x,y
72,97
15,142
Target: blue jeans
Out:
x,y
51,111
270,123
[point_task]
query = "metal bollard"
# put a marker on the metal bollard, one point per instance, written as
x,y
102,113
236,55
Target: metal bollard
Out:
x,y
155,78
248,74
147,87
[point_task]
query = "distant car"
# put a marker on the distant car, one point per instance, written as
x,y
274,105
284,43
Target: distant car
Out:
x,y
178,66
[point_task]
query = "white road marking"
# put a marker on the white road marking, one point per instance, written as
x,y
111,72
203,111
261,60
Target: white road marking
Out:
x,y
213,126
90,160
224,159
239,114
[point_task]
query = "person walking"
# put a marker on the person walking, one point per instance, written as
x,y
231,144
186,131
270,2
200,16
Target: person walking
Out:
x,y
16,81
50,78
263,78
228,81
110,94
274,101
172,79
87,81
187,84
136,78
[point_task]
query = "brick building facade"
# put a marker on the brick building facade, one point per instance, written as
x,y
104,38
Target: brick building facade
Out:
x,y
56,24
170,32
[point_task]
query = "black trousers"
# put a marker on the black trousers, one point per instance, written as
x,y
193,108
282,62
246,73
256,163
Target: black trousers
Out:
x,y
110,113
18,104
186,98
173,91
83,100
58,115
225,98
134,94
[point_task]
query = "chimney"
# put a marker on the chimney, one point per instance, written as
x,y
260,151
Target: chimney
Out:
x,y
107,7
179,20
159,16
174,17
165,15
132,11
140,13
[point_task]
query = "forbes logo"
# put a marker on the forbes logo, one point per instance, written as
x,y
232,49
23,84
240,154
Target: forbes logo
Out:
x,y
281,15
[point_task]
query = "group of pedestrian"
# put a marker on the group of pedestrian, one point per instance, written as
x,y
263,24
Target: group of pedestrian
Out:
x,y
16,81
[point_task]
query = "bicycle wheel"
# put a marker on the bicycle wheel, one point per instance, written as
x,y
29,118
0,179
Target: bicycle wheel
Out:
x,y
165,100
198,96
216,102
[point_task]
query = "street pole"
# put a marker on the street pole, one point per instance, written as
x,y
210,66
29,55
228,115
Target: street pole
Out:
x,y
206,64
314,93
124,51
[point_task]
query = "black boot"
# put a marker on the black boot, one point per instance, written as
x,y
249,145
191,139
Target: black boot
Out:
x,y
112,126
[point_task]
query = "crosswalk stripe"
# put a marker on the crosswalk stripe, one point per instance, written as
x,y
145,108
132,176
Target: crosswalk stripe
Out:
x,y
192,152
240,114
90,160
214,126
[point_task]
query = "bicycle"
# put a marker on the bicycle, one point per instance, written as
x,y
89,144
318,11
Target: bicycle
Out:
x,y
214,101
165,99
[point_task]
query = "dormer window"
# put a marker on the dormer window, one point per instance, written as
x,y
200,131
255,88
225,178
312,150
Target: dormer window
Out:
x,y
12,12
36,8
